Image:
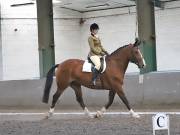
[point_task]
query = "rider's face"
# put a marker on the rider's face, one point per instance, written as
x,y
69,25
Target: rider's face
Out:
x,y
94,31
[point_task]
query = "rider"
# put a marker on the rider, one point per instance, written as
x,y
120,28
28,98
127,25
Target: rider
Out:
x,y
96,50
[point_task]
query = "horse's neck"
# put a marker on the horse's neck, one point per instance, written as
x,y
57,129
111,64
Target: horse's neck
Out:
x,y
122,59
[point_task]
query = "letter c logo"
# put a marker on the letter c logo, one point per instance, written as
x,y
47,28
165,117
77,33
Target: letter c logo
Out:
x,y
160,121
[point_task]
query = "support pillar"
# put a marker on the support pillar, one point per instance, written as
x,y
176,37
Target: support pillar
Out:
x,y
146,32
45,35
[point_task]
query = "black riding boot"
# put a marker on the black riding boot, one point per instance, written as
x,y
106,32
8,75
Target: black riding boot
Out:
x,y
95,73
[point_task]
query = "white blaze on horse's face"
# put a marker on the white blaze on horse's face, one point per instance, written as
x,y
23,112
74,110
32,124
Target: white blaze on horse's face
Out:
x,y
143,61
139,60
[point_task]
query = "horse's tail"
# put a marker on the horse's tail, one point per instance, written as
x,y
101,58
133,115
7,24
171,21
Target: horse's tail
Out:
x,y
49,80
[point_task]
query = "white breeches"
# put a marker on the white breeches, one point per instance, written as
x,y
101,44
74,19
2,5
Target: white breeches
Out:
x,y
96,60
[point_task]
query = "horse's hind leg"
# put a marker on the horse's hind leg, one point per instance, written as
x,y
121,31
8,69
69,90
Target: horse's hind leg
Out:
x,y
54,101
77,89
109,103
78,92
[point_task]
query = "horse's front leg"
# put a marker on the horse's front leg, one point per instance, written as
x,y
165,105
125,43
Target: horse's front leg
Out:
x,y
110,101
121,94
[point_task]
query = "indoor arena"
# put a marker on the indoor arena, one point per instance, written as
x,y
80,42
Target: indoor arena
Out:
x,y
89,67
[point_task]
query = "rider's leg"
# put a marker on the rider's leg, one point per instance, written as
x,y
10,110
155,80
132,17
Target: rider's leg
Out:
x,y
95,74
96,60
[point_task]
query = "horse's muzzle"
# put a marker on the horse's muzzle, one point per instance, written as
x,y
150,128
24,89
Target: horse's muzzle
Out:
x,y
143,65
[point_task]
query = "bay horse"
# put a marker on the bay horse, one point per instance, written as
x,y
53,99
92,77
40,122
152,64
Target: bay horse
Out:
x,y
69,73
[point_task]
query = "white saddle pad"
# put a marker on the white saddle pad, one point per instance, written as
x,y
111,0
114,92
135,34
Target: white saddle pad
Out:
x,y
87,66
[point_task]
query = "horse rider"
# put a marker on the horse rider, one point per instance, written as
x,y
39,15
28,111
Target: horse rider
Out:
x,y
96,51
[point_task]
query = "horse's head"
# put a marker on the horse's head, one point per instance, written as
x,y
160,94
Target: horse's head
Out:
x,y
137,56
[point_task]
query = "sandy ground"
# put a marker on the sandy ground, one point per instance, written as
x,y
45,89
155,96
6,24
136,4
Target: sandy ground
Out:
x,y
73,124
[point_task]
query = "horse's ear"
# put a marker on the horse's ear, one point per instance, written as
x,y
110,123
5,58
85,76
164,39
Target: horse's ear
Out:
x,y
137,42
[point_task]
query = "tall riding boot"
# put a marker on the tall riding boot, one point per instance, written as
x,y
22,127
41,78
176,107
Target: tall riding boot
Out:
x,y
95,75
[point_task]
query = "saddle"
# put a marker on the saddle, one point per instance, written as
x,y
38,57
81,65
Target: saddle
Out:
x,y
88,65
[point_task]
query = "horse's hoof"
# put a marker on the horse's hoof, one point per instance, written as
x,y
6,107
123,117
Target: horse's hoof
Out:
x,y
98,114
136,116
48,115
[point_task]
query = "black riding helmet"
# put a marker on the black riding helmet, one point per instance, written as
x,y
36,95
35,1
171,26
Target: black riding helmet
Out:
x,y
94,26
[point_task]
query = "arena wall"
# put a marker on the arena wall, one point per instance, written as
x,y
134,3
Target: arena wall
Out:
x,y
155,89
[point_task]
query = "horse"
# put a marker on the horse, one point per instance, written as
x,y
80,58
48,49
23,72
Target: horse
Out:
x,y
69,73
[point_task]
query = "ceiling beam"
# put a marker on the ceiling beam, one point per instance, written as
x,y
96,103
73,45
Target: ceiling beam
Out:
x,y
22,4
91,10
